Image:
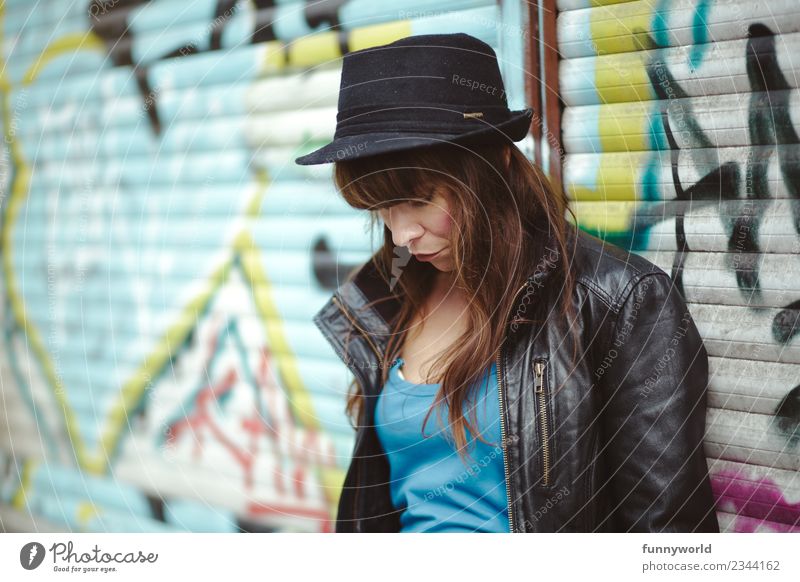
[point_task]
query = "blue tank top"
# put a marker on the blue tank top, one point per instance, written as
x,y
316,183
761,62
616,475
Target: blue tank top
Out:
x,y
437,491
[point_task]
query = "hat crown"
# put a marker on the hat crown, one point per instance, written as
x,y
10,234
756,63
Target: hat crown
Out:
x,y
455,70
420,91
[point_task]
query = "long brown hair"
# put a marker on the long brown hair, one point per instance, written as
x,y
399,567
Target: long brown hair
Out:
x,y
503,216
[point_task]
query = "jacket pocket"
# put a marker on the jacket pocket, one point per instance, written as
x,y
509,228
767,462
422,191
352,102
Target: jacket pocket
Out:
x,y
544,421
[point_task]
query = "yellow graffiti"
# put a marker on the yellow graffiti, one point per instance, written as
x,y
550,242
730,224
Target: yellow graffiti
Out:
x,y
379,34
19,194
621,29
624,127
322,47
20,498
620,78
616,179
133,390
86,512
611,217
68,43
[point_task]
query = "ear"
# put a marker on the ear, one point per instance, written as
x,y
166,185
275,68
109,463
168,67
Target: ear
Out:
x,y
507,155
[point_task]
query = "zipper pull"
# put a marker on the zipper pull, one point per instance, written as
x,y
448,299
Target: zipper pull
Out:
x,y
538,369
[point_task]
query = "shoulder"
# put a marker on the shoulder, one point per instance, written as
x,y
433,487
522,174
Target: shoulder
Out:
x,y
609,271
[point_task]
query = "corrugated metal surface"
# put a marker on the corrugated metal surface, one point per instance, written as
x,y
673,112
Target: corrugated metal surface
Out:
x,y
680,129
162,255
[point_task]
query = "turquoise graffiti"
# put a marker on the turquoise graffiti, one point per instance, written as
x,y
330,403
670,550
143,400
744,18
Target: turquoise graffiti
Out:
x,y
162,257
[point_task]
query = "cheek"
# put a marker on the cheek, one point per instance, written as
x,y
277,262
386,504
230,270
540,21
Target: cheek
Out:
x,y
440,224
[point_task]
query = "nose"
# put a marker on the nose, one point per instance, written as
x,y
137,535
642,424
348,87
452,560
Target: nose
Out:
x,y
405,228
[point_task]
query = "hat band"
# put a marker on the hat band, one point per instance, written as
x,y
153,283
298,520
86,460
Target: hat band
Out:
x,y
425,118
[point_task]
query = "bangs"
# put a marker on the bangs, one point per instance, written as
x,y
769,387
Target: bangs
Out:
x,y
376,188
380,181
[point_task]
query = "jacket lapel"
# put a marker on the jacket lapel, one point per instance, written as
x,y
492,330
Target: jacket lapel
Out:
x,y
371,307
368,299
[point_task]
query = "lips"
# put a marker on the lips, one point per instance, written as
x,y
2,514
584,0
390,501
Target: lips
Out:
x,y
421,257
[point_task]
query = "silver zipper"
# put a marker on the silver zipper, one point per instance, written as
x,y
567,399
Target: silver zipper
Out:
x,y
503,438
538,368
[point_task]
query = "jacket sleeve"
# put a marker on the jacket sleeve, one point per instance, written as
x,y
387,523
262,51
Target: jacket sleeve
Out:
x,y
654,470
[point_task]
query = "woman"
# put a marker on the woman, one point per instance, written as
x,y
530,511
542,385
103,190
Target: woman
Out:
x,y
575,365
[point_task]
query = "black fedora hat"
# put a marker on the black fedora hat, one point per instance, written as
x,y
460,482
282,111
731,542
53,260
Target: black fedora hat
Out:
x,y
419,91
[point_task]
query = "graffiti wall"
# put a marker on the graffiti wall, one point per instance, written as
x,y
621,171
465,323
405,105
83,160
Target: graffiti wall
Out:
x,y
680,129
162,256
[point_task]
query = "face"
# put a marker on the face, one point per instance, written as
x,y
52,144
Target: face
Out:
x,y
423,226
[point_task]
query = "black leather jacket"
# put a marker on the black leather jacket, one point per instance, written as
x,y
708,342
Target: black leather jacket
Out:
x,y
618,448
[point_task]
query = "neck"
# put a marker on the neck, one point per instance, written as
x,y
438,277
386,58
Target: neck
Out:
x,y
444,284
446,292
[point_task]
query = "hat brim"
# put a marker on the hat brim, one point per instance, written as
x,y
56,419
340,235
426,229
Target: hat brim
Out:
x,y
351,147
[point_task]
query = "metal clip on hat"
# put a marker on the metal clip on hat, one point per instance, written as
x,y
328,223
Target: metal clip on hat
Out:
x,y
419,91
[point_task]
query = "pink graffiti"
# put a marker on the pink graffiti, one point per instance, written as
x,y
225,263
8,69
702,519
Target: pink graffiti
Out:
x,y
757,503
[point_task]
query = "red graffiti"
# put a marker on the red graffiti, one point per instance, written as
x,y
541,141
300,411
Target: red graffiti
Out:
x,y
270,422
